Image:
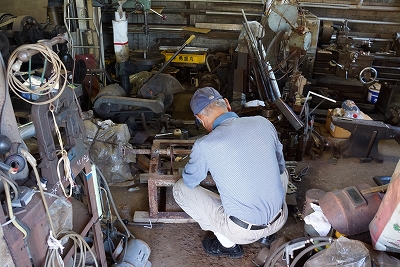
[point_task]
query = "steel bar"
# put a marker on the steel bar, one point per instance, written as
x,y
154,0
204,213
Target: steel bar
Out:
x,y
188,41
254,52
275,94
351,7
260,81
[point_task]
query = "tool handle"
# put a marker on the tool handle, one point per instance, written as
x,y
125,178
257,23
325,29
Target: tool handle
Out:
x,y
158,14
172,58
190,39
374,189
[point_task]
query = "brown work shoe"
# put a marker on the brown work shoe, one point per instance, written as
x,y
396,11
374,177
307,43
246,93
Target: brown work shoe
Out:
x,y
213,247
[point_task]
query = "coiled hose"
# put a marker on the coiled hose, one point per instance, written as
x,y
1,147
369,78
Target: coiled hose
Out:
x,y
278,253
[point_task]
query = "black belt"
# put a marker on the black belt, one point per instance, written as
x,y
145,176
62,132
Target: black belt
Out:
x,y
245,225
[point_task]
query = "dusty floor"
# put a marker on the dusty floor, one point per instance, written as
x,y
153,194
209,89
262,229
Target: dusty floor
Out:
x,y
179,244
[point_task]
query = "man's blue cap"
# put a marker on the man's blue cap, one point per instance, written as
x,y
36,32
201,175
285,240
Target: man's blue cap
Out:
x,y
202,98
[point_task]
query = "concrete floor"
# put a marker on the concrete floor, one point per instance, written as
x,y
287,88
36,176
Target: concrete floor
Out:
x,y
179,244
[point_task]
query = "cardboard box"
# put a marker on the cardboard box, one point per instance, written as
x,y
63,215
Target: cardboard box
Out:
x,y
335,131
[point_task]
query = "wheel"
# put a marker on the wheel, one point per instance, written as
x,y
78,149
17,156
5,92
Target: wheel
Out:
x,y
368,75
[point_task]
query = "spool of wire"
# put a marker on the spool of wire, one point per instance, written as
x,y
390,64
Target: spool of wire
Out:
x,y
50,85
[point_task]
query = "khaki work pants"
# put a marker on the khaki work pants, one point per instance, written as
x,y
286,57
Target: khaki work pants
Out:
x,y
205,207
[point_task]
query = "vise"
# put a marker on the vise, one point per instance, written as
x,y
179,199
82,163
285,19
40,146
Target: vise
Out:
x,y
364,138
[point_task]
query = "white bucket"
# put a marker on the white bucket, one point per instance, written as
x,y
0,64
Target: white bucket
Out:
x,y
373,95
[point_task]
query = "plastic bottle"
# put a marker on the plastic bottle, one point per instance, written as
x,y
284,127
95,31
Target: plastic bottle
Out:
x,y
351,110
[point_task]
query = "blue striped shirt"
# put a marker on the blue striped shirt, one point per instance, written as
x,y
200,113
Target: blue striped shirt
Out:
x,y
244,157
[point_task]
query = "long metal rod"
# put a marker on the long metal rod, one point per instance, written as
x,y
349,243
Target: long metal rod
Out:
x,y
259,81
361,21
308,96
251,41
351,7
190,39
275,94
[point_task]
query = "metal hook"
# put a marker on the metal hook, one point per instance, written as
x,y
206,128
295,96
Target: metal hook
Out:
x,y
149,227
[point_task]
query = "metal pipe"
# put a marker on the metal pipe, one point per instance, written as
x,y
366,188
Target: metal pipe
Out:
x,y
361,21
230,13
255,2
188,41
264,71
366,38
27,130
351,7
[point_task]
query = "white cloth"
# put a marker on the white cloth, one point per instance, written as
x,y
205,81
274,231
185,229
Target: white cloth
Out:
x,y
318,220
254,103
120,30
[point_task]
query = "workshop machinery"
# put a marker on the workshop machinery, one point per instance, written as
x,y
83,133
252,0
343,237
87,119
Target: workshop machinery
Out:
x,y
24,29
351,209
112,103
349,64
320,54
141,59
154,95
56,116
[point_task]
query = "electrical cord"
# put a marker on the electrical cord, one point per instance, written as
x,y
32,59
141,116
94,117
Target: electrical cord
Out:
x,y
110,242
306,250
63,159
47,87
53,254
32,162
53,258
10,210
7,181
111,200
107,200
49,194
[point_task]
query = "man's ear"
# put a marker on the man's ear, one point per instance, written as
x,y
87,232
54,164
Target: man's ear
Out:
x,y
228,106
200,119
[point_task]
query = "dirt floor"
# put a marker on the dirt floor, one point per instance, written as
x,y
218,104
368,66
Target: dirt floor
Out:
x,y
179,244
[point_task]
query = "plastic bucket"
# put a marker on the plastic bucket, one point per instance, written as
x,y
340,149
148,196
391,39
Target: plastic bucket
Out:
x,y
373,95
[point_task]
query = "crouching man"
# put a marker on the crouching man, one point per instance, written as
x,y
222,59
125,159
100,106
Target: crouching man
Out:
x,y
244,157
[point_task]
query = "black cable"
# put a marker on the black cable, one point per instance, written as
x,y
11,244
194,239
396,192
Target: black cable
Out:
x,y
109,229
306,250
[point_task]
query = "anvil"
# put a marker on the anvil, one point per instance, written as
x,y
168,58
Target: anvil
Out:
x,y
364,138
